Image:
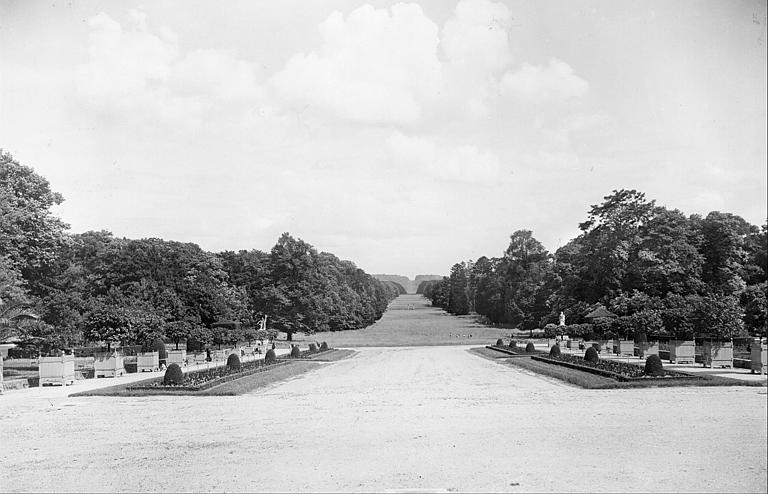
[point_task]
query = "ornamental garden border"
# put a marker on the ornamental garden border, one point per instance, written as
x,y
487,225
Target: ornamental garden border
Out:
x,y
614,375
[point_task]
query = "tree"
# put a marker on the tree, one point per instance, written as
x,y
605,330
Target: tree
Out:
x,y
30,236
458,301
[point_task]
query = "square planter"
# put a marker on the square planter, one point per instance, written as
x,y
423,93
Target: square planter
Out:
x,y
199,358
148,362
624,347
717,354
648,348
759,355
108,365
177,357
57,370
682,351
573,344
217,355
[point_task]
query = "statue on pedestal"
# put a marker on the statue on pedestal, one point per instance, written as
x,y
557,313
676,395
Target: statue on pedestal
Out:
x,y
562,319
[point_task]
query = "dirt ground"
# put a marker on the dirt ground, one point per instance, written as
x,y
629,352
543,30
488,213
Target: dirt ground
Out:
x,y
426,418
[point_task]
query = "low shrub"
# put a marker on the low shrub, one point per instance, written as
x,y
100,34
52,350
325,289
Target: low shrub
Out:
x,y
233,362
173,375
529,348
591,355
295,352
653,366
324,346
499,342
312,348
270,357
554,351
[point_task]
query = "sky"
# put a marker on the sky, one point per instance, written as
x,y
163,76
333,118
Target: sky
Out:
x,y
404,136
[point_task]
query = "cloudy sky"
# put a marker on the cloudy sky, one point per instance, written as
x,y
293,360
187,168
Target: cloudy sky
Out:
x,y
402,136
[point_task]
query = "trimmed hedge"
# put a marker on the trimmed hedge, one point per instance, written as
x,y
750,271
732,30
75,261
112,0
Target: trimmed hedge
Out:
x,y
174,375
591,355
233,362
499,342
653,366
324,346
295,352
512,344
555,350
312,348
530,348
270,357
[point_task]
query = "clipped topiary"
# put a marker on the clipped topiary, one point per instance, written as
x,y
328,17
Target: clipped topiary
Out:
x,y
312,348
233,362
173,375
512,344
499,342
554,351
159,346
295,352
529,348
591,355
323,346
270,357
653,366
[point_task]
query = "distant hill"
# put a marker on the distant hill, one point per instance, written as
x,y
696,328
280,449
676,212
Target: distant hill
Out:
x,y
409,285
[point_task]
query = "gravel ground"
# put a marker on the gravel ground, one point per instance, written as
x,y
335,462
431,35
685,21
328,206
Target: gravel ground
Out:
x,y
391,418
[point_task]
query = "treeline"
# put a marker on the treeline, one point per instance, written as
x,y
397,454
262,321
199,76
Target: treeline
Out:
x,y
59,289
660,271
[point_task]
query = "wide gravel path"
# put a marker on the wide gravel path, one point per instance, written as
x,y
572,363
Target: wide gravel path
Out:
x,y
408,418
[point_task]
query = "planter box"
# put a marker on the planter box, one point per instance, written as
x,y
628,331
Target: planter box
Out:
x,y
199,358
573,344
148,362
648,348
57,370
177,357
624,347
717,354
108,365
220,354
682,352
759,356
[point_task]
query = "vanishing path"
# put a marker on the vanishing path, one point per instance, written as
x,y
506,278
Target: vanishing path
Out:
x,y
395,418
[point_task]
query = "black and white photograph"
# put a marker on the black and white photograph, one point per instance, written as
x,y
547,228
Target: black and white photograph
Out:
x,y
397,246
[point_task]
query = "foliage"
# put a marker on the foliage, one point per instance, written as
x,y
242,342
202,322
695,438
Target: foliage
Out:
x,y
591,355
554,351
499,342
312,348
233,361
174,376
512,344
295,351
530,348
270,357
653,366
323,346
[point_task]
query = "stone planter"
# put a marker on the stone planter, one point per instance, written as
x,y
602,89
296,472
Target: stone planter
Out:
x,y
759,356
198,358
177,357
717,354
217,355
648,348
682,351
108,365
148,362
624,347
573,344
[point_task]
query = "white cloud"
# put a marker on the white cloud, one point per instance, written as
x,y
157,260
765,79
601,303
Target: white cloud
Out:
x,y
554,82
374,66
476,36
463,163
136,75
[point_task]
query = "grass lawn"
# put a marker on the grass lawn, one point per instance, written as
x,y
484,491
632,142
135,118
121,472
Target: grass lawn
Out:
x,y
593,381
231,388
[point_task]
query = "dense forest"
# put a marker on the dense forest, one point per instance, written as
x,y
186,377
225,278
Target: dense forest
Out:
x,y
59,289
662,273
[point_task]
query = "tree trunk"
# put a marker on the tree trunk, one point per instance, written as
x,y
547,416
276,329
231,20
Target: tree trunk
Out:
x,y
289,336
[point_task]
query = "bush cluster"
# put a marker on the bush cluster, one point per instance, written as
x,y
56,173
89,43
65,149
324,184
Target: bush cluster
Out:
x,y
295,352
555,350
499,342
270,357
512,344
173,375
312,348
324,346
233,361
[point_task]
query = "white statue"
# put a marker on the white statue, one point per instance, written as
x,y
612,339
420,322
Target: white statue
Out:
x,y
562,319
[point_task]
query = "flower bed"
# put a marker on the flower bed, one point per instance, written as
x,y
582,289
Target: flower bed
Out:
x,y
517,352
303,355
620,371
207,378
